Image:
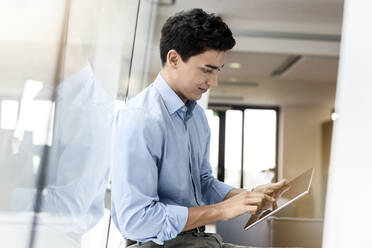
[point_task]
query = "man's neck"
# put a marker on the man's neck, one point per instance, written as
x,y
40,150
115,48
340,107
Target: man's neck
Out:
x,y
168,79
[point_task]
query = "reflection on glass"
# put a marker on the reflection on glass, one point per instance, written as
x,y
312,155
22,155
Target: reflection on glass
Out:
x,y
9,114
36,116
214,125
259,146
29,45
63,63
79,158
233,147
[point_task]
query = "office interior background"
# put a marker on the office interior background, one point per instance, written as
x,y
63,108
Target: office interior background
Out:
x,y
294,94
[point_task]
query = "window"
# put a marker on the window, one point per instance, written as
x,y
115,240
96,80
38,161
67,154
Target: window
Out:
x,y
233,147
247,154
259,146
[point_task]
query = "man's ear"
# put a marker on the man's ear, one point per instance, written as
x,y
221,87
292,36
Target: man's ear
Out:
x,y
173,58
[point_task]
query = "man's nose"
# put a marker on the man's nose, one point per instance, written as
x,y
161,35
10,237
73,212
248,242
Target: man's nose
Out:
x,y
213,80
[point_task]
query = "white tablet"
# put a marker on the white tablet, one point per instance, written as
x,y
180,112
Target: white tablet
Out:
x,y
295,189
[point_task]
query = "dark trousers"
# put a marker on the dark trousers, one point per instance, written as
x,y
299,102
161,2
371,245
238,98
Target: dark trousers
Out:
x,y
192,240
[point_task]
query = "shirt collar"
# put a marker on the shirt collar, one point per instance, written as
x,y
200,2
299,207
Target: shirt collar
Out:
x,y
172,101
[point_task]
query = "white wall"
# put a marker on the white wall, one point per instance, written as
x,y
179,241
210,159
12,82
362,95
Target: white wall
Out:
x,y
348,212
302,149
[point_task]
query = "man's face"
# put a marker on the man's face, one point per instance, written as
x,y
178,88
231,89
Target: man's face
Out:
x,y
194,77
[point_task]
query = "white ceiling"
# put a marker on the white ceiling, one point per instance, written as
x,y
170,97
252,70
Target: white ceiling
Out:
x,y
315,69
252,64
313,11
260,56
260,66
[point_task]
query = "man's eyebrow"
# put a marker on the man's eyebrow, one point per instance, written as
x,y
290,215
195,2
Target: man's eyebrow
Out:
x,y
214,67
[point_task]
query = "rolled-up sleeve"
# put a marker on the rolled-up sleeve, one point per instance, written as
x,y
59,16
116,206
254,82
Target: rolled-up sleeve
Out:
x,y
136,209
213,190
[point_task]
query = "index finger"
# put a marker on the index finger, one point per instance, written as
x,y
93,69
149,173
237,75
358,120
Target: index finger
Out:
x,y
279,184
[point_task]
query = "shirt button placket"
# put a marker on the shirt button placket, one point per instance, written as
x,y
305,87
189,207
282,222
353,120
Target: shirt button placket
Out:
x,y
184,111
190,166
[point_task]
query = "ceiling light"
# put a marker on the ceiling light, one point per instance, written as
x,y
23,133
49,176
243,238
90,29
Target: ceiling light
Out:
x,y
235,65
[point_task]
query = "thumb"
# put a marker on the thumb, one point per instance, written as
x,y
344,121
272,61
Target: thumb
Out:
x,y
280,184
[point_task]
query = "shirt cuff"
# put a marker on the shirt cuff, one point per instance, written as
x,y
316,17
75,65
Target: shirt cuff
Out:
x,y
175,222
178,215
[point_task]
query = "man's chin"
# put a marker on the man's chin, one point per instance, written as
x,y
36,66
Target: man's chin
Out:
x,y
197,98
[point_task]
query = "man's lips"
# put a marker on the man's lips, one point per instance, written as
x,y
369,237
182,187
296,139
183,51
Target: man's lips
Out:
x,y
203,90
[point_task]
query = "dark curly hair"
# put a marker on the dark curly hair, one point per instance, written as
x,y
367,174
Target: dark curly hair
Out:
x,y
193,32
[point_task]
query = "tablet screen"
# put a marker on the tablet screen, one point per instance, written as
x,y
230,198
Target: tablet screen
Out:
x,y
294,190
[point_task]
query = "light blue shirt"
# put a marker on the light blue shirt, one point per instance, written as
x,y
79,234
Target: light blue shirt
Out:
x,y
161,165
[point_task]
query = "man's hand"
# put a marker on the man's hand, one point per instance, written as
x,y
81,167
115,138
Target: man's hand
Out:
x,y
243,202
271,187
234,192
236,203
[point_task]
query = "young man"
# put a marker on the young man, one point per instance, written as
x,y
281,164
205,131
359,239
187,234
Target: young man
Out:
x,y
163,191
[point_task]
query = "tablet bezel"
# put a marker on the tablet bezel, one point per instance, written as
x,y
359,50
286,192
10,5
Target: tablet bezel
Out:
x,y
285,204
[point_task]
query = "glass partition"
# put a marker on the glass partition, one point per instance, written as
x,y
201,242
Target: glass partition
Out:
x,y
66,67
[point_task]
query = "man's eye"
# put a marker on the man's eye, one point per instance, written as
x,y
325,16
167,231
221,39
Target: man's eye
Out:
x,y
207,70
